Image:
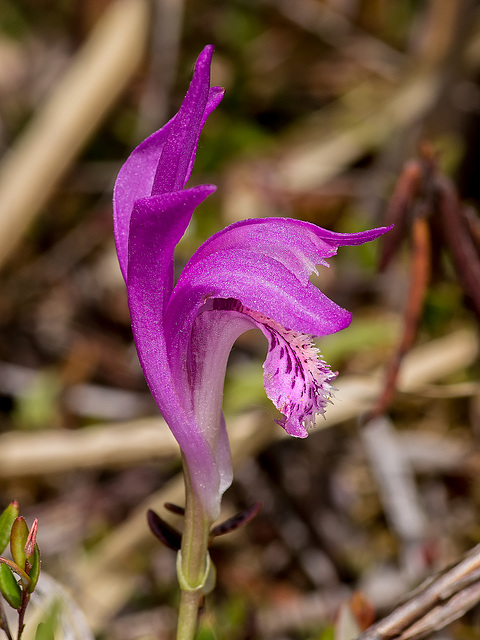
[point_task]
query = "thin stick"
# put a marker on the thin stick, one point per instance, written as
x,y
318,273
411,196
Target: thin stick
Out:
x,y
419,277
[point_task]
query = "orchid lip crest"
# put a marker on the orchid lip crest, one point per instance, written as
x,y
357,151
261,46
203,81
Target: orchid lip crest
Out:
x,y
296,378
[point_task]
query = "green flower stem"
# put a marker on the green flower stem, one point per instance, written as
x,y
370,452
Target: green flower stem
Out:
x,y
188,614
193,562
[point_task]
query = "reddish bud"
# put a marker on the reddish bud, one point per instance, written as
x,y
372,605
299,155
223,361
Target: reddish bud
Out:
x,y
32,538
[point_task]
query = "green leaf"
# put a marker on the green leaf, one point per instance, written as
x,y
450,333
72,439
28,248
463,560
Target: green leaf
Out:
x,y
37,407
18,539
9,587
23,575
35,570
6,521
328,633
46,629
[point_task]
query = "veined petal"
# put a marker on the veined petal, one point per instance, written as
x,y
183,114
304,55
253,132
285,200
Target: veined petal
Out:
x,y
299,245
260,283
296,378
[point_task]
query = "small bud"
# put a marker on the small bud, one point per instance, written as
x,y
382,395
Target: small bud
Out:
x,y
6,521
9,587
31,540
18,540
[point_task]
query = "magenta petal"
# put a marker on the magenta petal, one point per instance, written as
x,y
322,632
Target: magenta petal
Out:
x,y
258,282
299,245
154,233
265,264
134,181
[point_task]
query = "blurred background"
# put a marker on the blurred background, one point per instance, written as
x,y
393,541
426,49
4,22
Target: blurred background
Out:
x,y
325,103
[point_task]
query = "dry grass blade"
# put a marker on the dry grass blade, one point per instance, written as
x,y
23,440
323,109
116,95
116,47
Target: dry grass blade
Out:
x,y
437,602
166,30
100,72
399,207
395,479
334,28
23,454
55,451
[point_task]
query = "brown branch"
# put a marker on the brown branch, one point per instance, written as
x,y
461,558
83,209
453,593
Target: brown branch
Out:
x,y
419,277
458,236
399,210
435,603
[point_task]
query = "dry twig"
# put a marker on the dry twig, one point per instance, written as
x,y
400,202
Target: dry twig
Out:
x,y
437,602
337,30
419,278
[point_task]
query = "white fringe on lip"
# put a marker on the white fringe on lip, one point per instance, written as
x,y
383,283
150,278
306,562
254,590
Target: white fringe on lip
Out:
x,y
296,378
